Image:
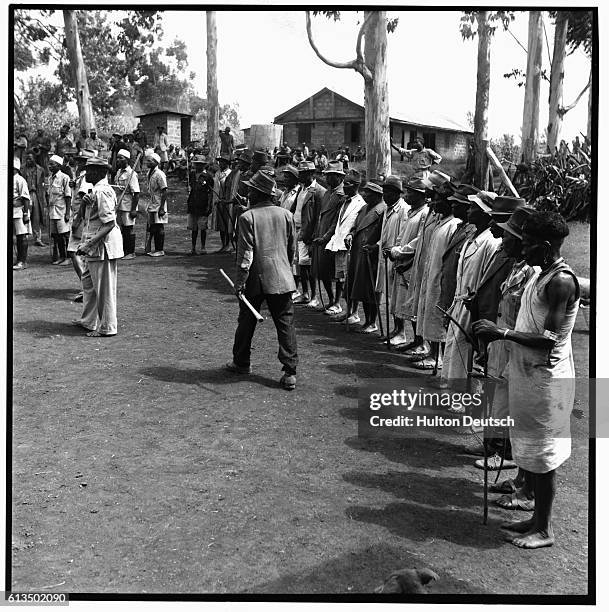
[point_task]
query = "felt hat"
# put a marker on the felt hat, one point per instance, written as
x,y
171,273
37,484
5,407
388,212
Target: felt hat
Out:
x,y
393,182
16,164
260,157
515,224
306,166
97,162
269,170
124,153
416,184
435,179
56,159
484,199
262,181
462,192
289,169
199,159
374,187
155,157
503,205
353,177
335,167
246,156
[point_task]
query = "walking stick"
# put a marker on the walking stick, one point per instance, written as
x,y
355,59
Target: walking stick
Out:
x,y
374,293
387,302
256,314
347,291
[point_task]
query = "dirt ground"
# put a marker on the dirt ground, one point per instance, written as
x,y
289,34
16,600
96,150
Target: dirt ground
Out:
x,y
140,466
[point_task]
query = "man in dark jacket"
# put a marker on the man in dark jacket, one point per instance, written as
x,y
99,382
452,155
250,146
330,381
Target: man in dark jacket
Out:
x,y
199,204
265,250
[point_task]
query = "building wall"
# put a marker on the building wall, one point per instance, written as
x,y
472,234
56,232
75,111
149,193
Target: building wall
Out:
x,y
171,123
174,130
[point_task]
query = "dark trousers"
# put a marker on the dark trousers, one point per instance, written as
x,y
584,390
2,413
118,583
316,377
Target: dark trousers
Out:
x,y
282,311
157,231
128,234
22,245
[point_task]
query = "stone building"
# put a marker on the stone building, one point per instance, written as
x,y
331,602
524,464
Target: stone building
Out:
x,y
335,121
177,125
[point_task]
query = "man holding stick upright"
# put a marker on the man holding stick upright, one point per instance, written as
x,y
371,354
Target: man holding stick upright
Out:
x,y
265,250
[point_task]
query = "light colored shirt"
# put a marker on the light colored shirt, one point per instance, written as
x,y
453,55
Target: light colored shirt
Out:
x,y
59,190
288,196
422,160
129,184
161,142
97,214
20,190
157,181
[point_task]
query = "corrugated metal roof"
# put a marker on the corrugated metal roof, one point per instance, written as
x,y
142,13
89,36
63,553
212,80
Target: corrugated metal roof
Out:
x,y
419,119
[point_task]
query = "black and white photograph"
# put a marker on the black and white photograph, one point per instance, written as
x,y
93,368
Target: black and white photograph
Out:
x,y
301,304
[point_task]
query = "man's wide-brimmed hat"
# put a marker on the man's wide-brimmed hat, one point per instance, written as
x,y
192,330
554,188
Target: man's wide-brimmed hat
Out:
x,y
263,182
353,177
97,162
260,157
374,187
484,199
435,179
293,170
393,182
246,156
515,224
306,166
199,159
462,193
85,154
504,206
416,184
335,167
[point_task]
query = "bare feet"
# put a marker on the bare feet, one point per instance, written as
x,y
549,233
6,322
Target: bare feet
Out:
x,y
519,526
534,539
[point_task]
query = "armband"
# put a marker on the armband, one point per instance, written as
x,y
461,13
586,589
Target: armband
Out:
x,y
550,335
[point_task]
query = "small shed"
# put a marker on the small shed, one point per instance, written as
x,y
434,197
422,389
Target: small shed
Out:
x,y
177,125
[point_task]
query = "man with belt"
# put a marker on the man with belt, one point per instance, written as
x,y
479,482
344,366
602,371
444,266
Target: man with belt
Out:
x,y
126,179
265,251
421,158
157,206
102,246
34,176
59,201
21,215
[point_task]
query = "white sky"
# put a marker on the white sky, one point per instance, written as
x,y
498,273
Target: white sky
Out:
x,y
265,65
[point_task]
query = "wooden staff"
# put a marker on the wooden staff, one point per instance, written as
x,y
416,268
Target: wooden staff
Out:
x,y
256,314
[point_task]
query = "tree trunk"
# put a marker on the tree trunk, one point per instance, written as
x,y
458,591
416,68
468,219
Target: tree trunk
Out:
x,y
78,72
376,97
483,81
213,109
530,114
557,76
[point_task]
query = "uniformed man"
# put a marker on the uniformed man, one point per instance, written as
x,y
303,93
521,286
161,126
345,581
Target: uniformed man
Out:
x,y
420,157
59,201
157,206
21,215
102,246
126,179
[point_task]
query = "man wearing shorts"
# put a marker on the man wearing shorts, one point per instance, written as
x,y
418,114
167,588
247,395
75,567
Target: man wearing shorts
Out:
x,y
59,201
199,203
129,194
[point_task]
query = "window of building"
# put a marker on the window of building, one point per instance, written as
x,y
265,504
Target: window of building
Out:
x,y
413,136
429,140
304,132
355,133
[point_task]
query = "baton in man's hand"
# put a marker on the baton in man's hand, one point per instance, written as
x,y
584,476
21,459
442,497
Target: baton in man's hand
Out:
x,y
256,314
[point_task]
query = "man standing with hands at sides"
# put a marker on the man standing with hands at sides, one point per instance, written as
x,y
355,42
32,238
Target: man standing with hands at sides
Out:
x,y
199,202
59,201
102,248
126,179
265,251
21,215
157,206
161,145
34,175
305,211
421,158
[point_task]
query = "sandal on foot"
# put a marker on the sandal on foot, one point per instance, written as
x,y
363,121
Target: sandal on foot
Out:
x,y
507,486
514,502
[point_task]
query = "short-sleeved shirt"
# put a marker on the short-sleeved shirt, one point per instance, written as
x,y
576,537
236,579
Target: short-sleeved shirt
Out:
x,y
20,190
127,178
59,190
99,213
80,188
156,183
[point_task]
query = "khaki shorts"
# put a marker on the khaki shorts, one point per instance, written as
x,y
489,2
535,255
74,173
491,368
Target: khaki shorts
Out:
x,y
20,228
304,259
341,263
194,222
59,226
124,218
